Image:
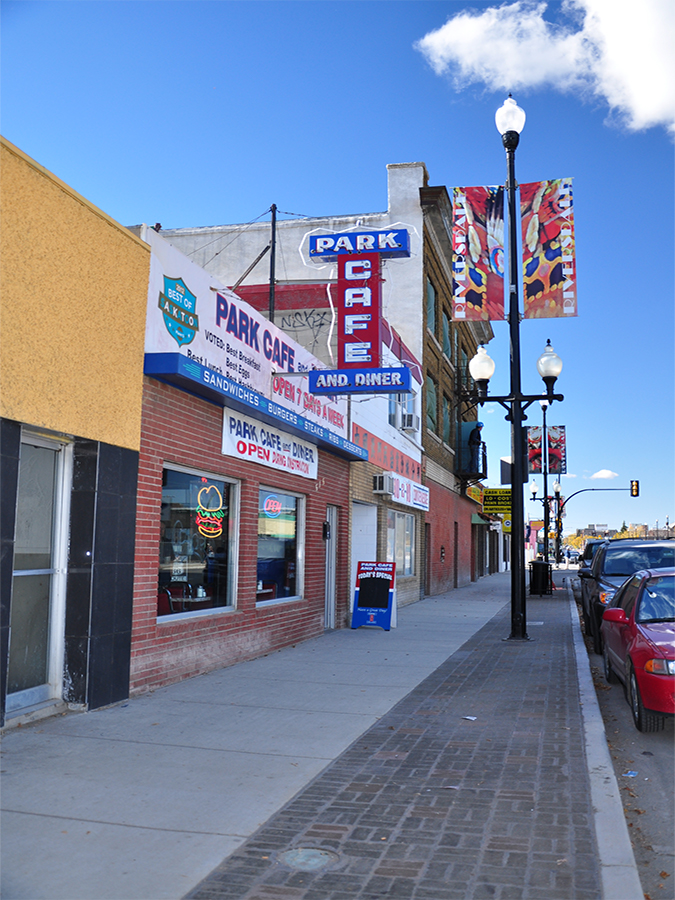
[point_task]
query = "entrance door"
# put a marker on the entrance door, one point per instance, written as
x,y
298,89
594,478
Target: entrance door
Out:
x,y
364,539
38,583
331,565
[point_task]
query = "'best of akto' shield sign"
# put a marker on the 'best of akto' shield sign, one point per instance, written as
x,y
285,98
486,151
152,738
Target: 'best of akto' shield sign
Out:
x,y
359,305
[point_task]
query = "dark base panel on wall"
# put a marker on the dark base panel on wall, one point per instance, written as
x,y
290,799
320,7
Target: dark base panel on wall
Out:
x,y
10,442
99,586
100,574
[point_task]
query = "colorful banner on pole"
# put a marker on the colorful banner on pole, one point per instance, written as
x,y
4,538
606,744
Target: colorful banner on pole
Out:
x,y
534,455
478,253
549,264
557,450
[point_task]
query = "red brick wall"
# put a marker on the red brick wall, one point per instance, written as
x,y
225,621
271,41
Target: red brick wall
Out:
x,y
446,508
186,430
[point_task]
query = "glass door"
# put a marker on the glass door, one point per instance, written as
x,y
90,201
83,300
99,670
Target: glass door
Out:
x,y
36,616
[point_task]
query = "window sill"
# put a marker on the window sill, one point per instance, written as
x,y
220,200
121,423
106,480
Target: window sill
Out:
x,y
434,339
263,604
195,614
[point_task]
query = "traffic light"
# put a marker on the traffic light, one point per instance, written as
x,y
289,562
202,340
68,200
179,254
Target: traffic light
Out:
x,y
635,488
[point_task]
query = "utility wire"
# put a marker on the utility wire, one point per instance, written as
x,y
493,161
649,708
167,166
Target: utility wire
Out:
x,y
220,237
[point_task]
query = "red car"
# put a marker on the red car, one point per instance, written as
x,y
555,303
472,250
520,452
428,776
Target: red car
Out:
x,y
638,632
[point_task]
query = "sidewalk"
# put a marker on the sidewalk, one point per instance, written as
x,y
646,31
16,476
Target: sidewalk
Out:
x,y
355,743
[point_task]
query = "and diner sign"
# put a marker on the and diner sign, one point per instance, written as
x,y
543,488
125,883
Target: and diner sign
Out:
x,y
360,381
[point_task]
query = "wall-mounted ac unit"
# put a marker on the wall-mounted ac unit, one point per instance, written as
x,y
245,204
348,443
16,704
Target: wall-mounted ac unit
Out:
x,y
410,422
383,484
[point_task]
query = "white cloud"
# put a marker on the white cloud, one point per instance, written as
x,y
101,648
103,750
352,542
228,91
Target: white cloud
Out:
x,y
605,473
617,50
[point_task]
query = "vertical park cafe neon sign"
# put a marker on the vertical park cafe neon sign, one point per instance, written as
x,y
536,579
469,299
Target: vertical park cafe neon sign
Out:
x,y
359,289
359,309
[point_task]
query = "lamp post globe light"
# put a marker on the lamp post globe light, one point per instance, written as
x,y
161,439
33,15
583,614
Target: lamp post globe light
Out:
x,y
510,120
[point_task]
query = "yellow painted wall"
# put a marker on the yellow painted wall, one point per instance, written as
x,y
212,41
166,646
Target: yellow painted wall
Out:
x,y
72,309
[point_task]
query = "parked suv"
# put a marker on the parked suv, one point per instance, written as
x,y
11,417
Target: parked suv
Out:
x,y
613,562
590,547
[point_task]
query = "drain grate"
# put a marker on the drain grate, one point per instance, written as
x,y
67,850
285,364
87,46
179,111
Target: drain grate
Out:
x,y
308,859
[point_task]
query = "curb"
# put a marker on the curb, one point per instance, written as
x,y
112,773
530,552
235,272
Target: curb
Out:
x,y
618,870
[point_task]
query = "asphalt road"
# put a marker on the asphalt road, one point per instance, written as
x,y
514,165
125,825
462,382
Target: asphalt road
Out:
x,y
649,794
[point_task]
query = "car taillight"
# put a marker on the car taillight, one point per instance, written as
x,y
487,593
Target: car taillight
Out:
x,y
660,666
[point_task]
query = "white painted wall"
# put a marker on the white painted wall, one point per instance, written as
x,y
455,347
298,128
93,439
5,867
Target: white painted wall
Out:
x,y
227,251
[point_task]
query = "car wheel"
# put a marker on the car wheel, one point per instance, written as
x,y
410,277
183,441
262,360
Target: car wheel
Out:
x,y
610,675
643,719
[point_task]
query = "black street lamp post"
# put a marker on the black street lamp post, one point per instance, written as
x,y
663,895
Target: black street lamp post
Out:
x,y
510,120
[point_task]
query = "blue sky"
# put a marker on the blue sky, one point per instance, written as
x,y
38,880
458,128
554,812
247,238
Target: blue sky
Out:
x,y
191,113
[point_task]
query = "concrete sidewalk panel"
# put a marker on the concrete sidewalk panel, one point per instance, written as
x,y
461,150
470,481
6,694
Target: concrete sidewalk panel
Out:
x,y
170,783
73,859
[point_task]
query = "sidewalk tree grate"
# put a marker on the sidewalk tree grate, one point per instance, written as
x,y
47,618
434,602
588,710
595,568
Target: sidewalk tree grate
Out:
x,y
308,859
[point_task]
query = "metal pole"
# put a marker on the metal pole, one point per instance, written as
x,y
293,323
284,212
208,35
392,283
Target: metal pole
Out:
x,y
273,257
544,469
518,611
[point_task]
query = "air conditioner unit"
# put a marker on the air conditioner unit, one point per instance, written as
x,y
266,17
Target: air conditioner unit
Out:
x,y
383,484
410,422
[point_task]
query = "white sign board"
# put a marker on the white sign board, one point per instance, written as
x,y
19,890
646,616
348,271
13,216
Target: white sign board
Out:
x,y
409,493
255,441
190,313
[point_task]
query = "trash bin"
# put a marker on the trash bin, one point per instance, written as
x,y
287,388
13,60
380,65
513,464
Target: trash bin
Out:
x,y
540,577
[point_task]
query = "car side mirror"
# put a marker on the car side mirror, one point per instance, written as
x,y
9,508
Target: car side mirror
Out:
x,y
584,573
615,614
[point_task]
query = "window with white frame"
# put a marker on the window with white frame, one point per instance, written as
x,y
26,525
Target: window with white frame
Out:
x,y
400,405
401,541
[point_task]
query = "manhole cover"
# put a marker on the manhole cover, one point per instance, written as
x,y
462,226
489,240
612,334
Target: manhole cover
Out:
x,y
308,859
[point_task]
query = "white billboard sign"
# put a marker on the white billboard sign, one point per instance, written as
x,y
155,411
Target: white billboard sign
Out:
x,y
190,313
255,441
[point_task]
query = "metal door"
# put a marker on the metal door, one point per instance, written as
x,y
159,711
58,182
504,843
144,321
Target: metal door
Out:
x,y
331,565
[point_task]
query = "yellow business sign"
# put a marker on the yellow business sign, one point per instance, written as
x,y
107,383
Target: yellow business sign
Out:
x,y
475,493
497,500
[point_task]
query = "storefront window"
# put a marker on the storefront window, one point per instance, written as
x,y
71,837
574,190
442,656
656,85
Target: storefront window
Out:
x,y
195,553
401,541
278,545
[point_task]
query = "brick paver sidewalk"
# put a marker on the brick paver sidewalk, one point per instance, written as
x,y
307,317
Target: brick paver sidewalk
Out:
x,y
430,804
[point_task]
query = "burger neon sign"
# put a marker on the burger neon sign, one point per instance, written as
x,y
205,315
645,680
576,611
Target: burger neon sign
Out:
x,y
210,514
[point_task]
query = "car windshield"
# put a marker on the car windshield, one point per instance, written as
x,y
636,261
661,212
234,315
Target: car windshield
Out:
x,y
626,560
658,600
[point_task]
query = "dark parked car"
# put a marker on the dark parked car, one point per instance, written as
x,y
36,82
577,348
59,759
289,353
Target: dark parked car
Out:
x,y
638,645
613,562
590,547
